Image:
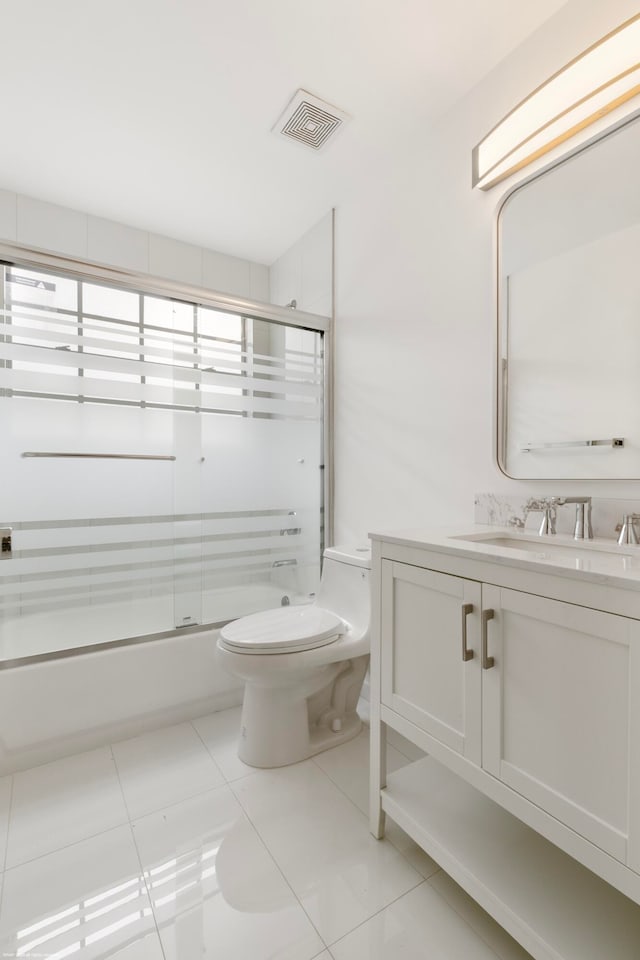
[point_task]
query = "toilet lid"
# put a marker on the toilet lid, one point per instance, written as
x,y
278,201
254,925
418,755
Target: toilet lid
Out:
x,y
283,630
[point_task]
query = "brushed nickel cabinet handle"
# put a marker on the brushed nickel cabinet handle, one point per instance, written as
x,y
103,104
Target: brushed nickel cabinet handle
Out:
x,y
487,662
467,608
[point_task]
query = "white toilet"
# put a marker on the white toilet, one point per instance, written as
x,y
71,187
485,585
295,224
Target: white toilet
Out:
x,y
303,666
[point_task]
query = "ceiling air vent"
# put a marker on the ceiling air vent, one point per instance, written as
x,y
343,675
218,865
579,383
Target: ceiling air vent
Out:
x,y
310,120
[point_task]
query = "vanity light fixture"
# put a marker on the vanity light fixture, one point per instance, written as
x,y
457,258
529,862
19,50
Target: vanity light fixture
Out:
x,y
604,76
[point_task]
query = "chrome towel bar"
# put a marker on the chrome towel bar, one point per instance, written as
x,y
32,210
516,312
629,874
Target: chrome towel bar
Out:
x,y
101,456
614,442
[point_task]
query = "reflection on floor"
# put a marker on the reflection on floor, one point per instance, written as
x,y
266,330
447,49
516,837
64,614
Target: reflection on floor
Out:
x,y
168,846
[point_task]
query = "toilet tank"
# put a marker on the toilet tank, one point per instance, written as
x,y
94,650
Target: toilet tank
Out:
x,y
345,584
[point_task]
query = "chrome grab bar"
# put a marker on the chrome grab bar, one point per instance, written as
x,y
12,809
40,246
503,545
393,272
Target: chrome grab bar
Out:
x,y
101,456
614,442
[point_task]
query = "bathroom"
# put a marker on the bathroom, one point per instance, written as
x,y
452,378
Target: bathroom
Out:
x,y
412,248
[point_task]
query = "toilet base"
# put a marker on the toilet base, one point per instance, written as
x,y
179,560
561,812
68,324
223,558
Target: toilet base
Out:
x,y
285,724
321,738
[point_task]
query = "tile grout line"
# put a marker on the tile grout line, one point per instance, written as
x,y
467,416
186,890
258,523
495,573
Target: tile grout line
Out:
x,y
172,803
9,809
138,858
363,814
378,912
281,872
206,746
472,926
6,845
72,843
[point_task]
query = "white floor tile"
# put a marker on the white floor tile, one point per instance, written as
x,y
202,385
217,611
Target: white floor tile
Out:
x,y
88,900
164,767
5,796
61,803
491,932
348,767
410,850
220,732
339,872
215,890
418,926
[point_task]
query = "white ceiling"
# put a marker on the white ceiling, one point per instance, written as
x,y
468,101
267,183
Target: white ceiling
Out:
x,y
158,113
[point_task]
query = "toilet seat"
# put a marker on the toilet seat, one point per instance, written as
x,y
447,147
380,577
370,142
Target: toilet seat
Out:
x,y
283,630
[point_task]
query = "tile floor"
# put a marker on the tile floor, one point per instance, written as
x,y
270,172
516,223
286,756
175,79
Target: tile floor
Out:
x,y
168,846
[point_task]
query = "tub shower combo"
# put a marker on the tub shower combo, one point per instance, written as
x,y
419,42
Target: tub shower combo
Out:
x,y
162,461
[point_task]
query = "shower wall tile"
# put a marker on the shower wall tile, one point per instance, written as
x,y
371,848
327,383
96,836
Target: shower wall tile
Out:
x,y
286,278
174,259
8,215
260,282
224,273
51,227
114,243
48,226
304,271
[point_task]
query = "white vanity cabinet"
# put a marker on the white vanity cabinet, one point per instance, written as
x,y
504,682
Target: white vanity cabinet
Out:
x,y
430,674
556,711
524,690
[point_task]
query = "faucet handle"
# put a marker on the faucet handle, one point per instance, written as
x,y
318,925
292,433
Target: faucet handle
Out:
x,y
548,507
627,529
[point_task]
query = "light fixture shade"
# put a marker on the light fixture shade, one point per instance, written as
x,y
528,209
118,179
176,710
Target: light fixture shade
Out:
x,y
596,82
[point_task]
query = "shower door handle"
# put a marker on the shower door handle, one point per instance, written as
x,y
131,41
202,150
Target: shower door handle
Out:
x,y
5,542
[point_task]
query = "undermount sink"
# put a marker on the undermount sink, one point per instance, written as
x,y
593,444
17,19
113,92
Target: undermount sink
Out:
x,y
583,552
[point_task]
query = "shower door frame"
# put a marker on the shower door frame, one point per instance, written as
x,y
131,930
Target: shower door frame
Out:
x,y
153,285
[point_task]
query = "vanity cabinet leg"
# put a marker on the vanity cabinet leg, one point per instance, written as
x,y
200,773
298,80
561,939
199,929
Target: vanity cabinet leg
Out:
x,y
378,773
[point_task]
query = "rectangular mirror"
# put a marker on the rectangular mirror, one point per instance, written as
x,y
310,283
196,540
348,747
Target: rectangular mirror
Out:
x,y
569,316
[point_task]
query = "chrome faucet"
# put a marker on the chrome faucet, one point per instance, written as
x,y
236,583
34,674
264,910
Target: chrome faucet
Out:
x,y
548,505
582,529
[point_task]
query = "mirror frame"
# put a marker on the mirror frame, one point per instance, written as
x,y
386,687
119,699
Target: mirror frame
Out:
x,y
500,368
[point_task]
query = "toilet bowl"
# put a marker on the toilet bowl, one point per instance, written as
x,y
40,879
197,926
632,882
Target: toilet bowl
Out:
x,y
303,667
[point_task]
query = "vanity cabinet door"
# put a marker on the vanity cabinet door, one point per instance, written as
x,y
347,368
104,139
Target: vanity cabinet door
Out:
x,y
426,675
557,712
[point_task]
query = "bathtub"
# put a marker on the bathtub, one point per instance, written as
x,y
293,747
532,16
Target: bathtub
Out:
x,y
66,685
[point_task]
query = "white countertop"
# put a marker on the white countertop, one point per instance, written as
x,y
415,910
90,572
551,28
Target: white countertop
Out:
x,y
597,561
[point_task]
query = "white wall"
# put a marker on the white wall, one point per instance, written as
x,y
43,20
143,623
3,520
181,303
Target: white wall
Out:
x,y
415,322
47,226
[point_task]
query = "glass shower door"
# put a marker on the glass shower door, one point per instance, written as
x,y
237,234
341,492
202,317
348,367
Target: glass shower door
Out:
x,y
88,470
162,463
